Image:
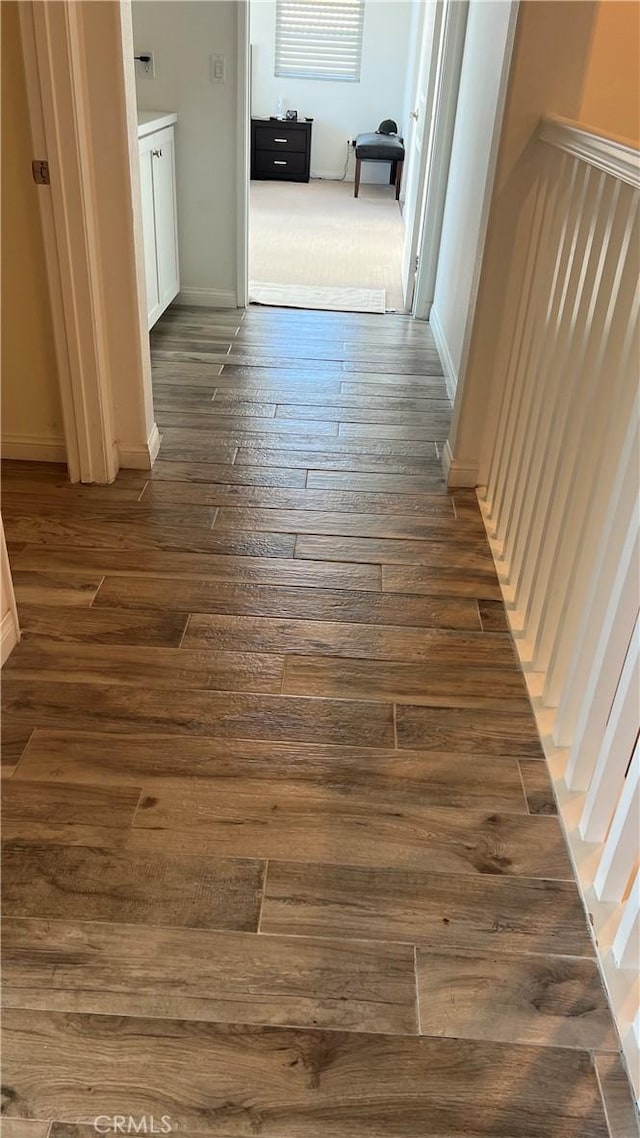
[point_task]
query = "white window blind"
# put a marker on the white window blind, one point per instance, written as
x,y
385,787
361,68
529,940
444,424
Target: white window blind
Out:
x,y
319,39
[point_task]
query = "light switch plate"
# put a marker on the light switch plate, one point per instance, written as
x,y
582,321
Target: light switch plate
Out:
x,y
218,68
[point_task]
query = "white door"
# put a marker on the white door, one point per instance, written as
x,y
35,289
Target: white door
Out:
x,y
420,143
164,200
149,229
445,106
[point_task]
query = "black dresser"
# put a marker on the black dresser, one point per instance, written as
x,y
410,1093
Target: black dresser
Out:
x,y
280,150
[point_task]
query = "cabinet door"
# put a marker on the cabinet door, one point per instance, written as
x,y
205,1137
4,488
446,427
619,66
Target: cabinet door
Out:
x,y
164,199
149,230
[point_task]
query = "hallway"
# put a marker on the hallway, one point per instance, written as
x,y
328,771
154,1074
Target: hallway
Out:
x,y
281,853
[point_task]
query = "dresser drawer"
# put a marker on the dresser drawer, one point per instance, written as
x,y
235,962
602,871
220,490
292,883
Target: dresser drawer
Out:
x,y
279,165
280,137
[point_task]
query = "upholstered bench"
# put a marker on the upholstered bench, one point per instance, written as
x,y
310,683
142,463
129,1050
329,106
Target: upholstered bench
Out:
x,y
379,148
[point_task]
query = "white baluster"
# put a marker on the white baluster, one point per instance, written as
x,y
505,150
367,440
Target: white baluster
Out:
x,y
626,944
617,745
620,853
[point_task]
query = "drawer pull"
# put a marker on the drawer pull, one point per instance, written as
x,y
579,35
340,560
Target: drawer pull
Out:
x,y
156,154
281,140
276,163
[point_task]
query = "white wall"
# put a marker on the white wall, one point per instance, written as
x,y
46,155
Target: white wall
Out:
x,y
480,85
183,34
340,110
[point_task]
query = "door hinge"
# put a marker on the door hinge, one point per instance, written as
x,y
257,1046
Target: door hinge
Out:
x,y
416,264
40,171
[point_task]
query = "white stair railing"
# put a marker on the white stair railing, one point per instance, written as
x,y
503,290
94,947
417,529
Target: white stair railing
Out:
x,y
561,509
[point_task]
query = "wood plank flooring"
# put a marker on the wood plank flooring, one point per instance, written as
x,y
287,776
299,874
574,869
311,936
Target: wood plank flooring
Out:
x,y
281,853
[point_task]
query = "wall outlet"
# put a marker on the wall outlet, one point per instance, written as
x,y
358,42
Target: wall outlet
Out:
x,y
145,65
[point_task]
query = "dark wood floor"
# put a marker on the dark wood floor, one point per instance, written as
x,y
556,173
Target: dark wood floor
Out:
x,y
281,852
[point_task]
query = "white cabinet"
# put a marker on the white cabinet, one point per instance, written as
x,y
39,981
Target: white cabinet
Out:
x,y
158,183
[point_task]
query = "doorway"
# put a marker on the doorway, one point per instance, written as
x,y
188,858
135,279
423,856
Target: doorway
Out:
x,y
320,80
309,237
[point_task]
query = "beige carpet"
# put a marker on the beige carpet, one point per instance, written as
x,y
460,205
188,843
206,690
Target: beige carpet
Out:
x,y
334,299
318,234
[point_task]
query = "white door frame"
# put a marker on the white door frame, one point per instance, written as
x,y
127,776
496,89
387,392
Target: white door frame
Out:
x,y
243,112
9,625
63,87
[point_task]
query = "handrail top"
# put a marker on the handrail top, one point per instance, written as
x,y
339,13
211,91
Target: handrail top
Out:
x,y
615,157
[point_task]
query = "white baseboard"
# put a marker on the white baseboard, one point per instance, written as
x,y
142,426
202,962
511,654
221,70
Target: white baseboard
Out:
x,y
448,367
458,474
33,448
153,443
9,636
370,178
329,176
208,297
143,457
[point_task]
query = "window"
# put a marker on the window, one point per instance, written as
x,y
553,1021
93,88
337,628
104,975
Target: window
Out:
x,y
319,39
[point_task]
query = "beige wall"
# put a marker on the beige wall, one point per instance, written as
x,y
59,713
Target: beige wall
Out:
x,y
31,409
551,52
611,98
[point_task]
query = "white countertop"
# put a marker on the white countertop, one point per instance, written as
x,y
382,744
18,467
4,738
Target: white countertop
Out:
x,y
150,121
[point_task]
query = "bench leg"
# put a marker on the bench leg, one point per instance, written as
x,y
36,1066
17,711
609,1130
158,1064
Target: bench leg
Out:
x,y
399,166
356,184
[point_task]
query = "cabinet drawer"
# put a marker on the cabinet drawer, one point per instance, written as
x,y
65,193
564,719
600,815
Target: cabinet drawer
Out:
x,y
280,165
280,137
